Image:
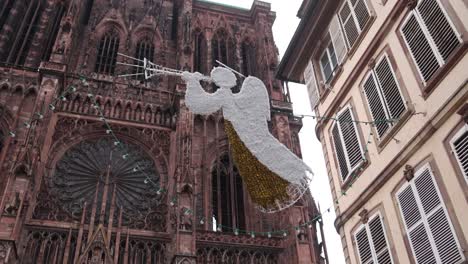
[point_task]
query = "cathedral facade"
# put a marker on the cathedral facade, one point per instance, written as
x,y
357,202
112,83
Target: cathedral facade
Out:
x,y
97,168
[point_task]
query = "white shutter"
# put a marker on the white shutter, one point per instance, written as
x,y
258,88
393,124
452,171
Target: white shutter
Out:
x,y
375,104
439,26
354,15
379,241
361,12
338,39
349,24
430,37
350,137
419,46
312,87
340,154
372,244
460,149
363,246
390,89
427,223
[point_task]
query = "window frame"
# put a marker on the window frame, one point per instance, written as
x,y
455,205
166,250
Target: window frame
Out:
x,y
458,134
383,100
424,216
426,87
334,68
351,170
356,21
369,236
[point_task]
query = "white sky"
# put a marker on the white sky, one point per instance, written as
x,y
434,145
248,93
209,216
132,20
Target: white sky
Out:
x,y
283,30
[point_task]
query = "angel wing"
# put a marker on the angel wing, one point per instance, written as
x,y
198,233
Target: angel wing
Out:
x,y
253,90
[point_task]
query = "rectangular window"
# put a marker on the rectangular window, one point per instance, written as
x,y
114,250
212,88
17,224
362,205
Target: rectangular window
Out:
x,y
328,62
430,37
311,82
427,223
354,15
348,149
459,145
383,94
372,242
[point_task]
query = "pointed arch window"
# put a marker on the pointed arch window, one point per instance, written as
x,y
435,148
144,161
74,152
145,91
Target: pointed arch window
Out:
x,y
227,195
5,12
223,48
248,58
107,53
199,59
144,49
26,33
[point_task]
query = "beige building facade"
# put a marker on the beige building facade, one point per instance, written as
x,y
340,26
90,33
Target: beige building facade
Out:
x,y
388,82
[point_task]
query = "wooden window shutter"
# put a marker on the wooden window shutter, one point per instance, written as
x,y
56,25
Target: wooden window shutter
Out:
x,y
350,137
419,46
361,12
427,223
340,153
390,90
354,15
379,241
312,87
349,24
372,242
460,149
375,104
439,26
363,246
338,39
430,37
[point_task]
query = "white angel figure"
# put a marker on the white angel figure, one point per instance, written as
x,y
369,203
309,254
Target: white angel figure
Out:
x,y
274,176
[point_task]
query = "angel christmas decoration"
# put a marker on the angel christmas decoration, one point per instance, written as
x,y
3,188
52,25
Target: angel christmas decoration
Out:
x,y
275,177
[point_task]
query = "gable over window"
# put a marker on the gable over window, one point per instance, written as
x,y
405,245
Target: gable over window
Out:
x,y
459,145
348,148
383,95
372,242
430,37
107,53
426,220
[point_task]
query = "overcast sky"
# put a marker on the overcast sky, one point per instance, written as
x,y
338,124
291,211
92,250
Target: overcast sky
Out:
x,y
283,29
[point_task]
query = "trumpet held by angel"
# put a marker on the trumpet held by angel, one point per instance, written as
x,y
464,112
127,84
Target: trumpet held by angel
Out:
x,y
275,177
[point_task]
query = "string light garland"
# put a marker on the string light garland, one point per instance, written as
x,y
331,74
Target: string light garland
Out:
x,y
269,234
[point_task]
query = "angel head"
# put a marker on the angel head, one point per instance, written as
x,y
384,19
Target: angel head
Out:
x,y
223,78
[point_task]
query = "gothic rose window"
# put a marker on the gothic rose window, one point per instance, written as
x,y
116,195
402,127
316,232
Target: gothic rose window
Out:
x,y
107,53
227,195
144,49
96,170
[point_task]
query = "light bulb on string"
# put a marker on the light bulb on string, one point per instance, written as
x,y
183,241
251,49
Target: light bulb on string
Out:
x,y
108,131
135,169
116,143
158,192
125,156
27,125
63,98
310,225
90,95
146,181
285,234
269,234
218,228
236,231
252,235
202,221
52,107
12,134
73,89
39,115
298,230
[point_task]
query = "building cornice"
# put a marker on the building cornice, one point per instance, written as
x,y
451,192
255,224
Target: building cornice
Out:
x,y
450,106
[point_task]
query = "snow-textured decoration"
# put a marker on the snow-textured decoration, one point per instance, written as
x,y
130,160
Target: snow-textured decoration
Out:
x,y
274,176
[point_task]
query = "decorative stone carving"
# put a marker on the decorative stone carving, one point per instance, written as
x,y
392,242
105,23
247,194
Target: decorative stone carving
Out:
x,y
408,172
364,214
